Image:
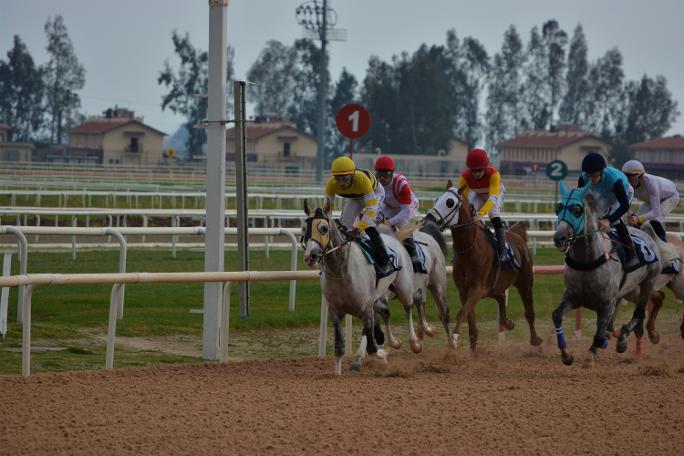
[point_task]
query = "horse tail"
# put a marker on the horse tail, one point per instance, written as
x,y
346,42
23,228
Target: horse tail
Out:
x,y
520,229
433,230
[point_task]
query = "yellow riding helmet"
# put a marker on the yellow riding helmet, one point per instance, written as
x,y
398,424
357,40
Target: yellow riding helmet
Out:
x,y
342,166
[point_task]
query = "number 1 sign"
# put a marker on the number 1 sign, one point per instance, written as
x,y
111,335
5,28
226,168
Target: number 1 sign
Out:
x,y
353,121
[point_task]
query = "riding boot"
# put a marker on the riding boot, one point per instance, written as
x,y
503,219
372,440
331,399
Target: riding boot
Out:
x,y
500,239
410,245
628,244
384,268
659,230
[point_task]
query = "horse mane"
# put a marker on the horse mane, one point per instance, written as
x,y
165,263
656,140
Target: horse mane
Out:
x,y
432,229
520,229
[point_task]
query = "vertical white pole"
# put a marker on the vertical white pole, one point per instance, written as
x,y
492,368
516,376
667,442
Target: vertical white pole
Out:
x,y
216,174
4,296
323,329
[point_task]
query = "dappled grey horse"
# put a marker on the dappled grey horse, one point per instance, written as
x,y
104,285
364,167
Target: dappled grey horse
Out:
x,y
595,279
348,282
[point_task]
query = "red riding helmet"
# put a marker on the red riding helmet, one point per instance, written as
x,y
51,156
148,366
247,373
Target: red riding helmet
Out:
x,y
477,158
384,163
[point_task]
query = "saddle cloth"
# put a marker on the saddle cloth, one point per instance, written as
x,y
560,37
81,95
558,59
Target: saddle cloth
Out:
x,y
512,262
644,254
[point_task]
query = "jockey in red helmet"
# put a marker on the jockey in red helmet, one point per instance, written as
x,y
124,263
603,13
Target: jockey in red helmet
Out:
x,y
400,204
481,185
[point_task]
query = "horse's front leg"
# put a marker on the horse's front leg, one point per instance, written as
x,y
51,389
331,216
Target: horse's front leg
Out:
x,y
382,308
438,291
339,343
472,331
603,317
468,300
367,343
557,316
657,299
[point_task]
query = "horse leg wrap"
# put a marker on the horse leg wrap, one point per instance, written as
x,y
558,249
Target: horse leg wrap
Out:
x,y
560,338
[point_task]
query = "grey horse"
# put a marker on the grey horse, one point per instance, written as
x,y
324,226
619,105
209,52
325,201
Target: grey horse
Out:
x,y
434,247
593,278
348,282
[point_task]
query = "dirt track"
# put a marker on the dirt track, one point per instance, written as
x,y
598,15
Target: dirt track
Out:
x,y
509,400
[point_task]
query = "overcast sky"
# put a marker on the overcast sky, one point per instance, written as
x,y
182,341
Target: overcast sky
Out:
x,y
123,43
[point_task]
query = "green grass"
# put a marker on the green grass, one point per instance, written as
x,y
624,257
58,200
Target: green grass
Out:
x,y
70,322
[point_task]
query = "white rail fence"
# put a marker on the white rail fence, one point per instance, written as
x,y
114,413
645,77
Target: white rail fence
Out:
x,y
119,280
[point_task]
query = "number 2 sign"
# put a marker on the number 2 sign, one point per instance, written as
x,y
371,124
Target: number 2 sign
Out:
x,y
353,121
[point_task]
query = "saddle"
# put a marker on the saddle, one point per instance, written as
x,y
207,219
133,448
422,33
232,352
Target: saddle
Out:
x,y
512,262
643,253
367,249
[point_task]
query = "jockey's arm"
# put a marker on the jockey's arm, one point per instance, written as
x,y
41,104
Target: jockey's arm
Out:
x,y
494,194
621,196
655,211
405,198
403,216
369,212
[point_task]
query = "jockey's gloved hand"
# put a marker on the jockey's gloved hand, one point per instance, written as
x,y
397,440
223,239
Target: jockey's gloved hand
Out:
x,y
353,233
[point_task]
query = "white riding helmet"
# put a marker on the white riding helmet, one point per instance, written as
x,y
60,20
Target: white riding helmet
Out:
x,y
633,167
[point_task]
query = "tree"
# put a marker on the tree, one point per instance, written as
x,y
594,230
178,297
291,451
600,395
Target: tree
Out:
x,y
63,77
504,94
652,111
555,40
273,76
21,92
537,96
607,95
380,95
305,105
188,87
573,108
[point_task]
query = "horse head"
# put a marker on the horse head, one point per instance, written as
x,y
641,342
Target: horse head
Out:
x,y
445,211
571,216
316,233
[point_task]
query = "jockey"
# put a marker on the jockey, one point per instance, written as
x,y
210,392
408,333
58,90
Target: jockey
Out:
x,y
487,194
365,197
660,197
613,194
400,204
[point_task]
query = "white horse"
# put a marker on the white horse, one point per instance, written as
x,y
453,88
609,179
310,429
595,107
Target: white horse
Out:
x,y
349,284
434,247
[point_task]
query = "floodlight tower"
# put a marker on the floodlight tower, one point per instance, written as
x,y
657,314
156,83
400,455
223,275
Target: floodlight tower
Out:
x,y
318,21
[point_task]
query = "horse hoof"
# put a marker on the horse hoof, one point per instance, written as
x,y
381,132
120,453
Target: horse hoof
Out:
x,y
588,362
654,337
395,344
621,345
568,359
355,367
416,346
536,341
429,330
382,354
509,324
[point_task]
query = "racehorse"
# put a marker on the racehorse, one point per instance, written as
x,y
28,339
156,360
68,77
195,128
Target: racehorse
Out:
x,y
429,238
348,282
592,278
477,272
670,279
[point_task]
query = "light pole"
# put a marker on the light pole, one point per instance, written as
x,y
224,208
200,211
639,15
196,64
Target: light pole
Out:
x,y
318,21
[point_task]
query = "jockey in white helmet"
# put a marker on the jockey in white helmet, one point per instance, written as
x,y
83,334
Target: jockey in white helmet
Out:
x,y
660,197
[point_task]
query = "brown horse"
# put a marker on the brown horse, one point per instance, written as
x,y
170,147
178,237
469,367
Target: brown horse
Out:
x,y
477,272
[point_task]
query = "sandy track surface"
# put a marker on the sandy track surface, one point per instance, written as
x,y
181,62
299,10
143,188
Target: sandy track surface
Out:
x,y
511,399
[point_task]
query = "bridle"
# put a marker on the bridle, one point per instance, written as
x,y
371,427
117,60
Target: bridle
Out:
x,y
444,220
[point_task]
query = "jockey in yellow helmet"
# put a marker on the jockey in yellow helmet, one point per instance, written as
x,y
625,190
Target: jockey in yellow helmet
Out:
x,y
364,200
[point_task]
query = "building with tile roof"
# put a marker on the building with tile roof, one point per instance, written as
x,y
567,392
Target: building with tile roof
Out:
x,y
662,156
532,150
115,138
13,151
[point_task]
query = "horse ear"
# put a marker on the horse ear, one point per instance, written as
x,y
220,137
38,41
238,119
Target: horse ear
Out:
x,y
326,209
583,192
307,211
564,189
449,184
